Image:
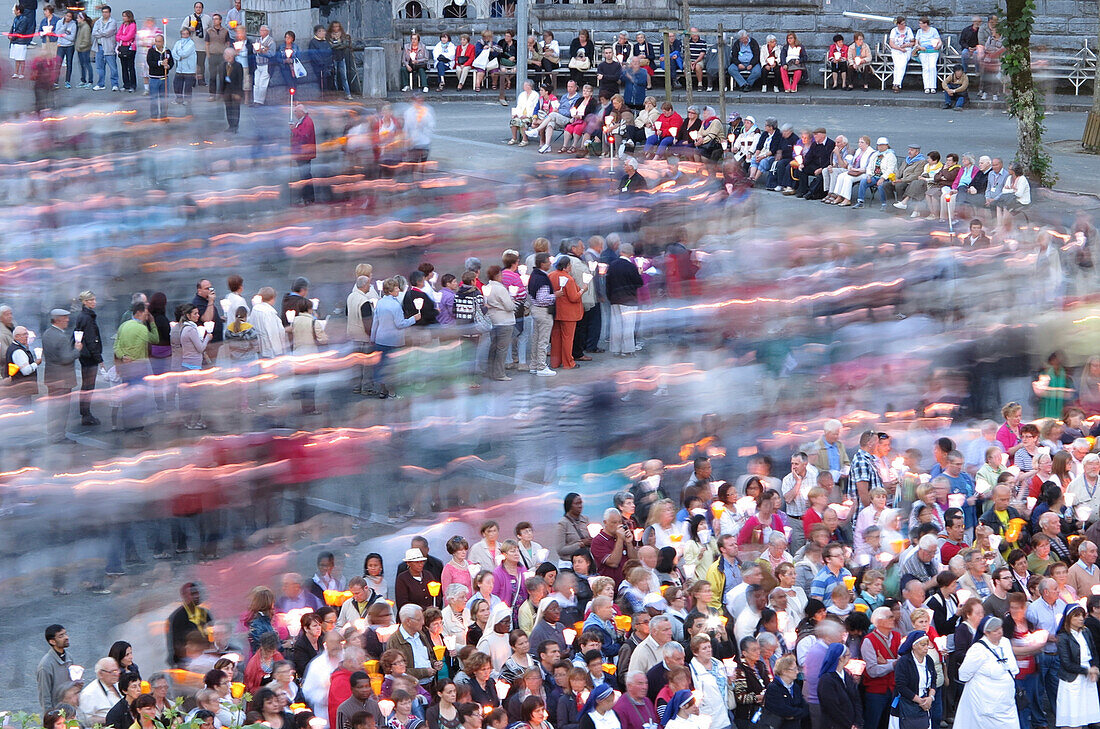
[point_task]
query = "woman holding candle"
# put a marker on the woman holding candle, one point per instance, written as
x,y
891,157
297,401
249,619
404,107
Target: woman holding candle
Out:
x,y
915,679
193,341
1021,633
921,618
710,679
662,526
750,679
457,570
571,701
759,527
433,625
456,615
402,716
568,310
307,336
480,610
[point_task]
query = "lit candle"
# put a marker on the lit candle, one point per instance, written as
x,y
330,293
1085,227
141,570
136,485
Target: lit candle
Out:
x,y
209,326
569,635
386,707
78,336
418,303
236,689
850,582
386,632
433,589
856,666
503,687
638,535
290,316
256,299
1069,497
439,651
956,501
594,529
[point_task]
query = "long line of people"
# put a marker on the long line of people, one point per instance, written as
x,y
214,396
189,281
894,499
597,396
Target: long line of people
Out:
x,y
858,589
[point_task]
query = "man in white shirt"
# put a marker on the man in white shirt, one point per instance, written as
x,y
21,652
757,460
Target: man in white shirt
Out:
x,y
1085,487
975,449
318,676
756,600
795,488
361,302
97,698
737,599
269,325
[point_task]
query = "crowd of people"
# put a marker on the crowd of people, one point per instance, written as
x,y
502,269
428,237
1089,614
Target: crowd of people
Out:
x,y
628,66
534,317
863,586
211,50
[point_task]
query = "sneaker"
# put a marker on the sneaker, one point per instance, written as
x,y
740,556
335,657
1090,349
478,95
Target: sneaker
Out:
x,y
546,372
996,98
983,96
97,88
68,85
901,205
858,205
404,88
710,89
914,214
114,88
423,90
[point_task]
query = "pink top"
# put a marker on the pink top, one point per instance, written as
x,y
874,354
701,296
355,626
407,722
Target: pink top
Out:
x,y
754,531
452,574
1007,438
126,34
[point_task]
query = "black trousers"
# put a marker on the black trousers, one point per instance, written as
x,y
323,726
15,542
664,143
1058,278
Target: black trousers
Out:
x,y
580,336
593,322
87,386
306,175
233,114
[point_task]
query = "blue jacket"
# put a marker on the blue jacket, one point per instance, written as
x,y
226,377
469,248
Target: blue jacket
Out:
x,y
609,646
389,323
22,31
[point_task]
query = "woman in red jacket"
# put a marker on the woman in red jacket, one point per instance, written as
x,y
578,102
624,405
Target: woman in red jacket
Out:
x,y
465,53
568,310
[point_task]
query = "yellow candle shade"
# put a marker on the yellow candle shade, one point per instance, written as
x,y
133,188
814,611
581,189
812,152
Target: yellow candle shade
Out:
x,y
236,690
609,669
622,622
371,666
146,688
439,651
433,587
860,607
376,685
850,582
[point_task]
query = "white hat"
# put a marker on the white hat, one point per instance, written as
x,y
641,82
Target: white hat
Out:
x,y
882,140
413,554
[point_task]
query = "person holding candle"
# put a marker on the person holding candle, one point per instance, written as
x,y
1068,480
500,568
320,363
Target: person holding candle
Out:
x,y
159,61
916,679
568,311
1078,671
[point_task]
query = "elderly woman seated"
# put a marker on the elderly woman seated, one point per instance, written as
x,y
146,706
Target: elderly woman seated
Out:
x,y
522,113
665,127
578,121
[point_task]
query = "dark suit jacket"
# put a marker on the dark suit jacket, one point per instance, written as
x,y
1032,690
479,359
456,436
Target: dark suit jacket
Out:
x,y
179,627
818,156
432,564
1069,656
786,703
658,679
233,89
841,707
906,681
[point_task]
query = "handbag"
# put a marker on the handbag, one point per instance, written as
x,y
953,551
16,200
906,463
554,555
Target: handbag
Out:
x,y
765,719
299,69
481,62
482,323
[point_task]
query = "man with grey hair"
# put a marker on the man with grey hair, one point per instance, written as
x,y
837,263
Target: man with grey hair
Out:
x,y
7,328
827,453
632,182
264,47
361,302
995,181
318,674
672,656
21,366
634,708
59,353
649,652
1051,525
298,290
99,696
974,451
1083,575
1078,449
294,596
613,546
924,563
409,640
623,282
744,63
474,264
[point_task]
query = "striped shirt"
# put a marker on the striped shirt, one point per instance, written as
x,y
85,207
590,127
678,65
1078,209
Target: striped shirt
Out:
x,y
697,47
864,468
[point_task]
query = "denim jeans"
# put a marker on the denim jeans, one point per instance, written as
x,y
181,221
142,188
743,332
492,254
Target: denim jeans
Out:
x,y
1048,679
87,76
957,101
65,53
875,186
1032,714
158,97
102,61
875,709
341,66
739,78
965,57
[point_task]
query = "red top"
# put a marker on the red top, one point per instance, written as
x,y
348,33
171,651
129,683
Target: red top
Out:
x,y
882,684
601,548
303,140
810,518
568,306
254,674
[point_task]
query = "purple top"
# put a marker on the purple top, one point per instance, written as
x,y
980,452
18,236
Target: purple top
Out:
x,y
446,308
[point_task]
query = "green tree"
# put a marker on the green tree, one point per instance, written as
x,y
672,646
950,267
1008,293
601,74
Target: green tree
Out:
x,y
1024,101
1091,138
